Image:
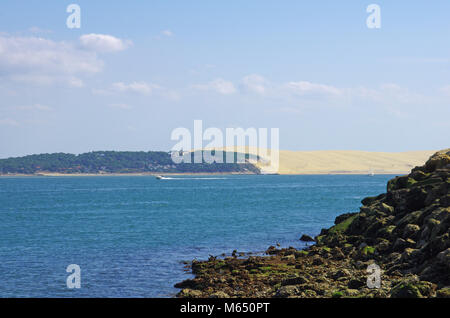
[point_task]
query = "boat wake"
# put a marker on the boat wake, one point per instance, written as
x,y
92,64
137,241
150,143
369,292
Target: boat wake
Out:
x,y
192,178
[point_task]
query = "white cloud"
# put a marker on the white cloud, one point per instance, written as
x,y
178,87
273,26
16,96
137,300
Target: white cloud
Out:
x,y
35,107
120,106
387,93
308,88
167,33
446,90
259,85
103,43
48,80
135,87
37,60
8,122
255,84
38,30
218,85
142,88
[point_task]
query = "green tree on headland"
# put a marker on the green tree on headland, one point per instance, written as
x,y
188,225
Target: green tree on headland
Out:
x,y
115,162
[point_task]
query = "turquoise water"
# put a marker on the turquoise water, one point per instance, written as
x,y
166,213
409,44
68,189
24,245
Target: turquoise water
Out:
x,y
130,235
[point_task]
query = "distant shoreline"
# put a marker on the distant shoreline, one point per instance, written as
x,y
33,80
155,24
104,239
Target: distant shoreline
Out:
x,y
130,174
138,174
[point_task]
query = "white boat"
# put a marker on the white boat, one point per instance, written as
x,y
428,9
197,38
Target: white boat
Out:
x,y
159,177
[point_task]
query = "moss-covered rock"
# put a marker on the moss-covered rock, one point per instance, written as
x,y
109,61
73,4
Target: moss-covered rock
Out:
x,y
443,292
413,288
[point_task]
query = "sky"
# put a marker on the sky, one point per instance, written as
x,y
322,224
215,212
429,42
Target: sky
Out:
x,y
136,70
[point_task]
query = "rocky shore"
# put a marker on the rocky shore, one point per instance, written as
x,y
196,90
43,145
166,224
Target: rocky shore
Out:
x,y
405,231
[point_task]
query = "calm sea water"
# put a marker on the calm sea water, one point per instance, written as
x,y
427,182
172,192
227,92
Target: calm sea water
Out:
x,y
130,235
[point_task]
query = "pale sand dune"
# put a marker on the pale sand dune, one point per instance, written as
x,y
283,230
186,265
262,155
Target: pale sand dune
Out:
x,y
345,161
361,162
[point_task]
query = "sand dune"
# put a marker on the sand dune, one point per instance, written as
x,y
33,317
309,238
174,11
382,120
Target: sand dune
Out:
x,y
346,162
363,162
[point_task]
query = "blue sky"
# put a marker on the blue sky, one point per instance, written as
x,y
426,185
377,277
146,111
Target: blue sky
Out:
x,y
136,70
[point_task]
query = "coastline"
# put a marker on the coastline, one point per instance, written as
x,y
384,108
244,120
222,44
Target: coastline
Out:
x,y
402,234
144,174
137,174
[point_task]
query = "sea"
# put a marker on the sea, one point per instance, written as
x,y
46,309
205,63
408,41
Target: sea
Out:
x,y
131,236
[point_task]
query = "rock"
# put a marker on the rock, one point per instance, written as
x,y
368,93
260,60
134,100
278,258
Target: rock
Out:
x,y
287,291
400,244
356,283
418,175
190,293
219,294
386,232
318,261
362,245
411,231
383,245
371,200
187,284
306,238
294,280
408,254
444,258
309,294
337,254
439,160
352,292
412,287
443,292
290,257
341,273
272,250
302,253
341,218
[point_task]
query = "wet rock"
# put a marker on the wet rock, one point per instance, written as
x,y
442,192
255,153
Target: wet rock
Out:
x,y
383,245
408,254
411,231
294,280
188,284
443,292
412,288
318,261
190,293
356,283
352,292
219,294
290,257
444,258
400,244
272,250
341,218
287,291
306,238
337,254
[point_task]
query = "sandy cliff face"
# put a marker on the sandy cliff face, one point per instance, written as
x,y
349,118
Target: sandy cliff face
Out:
x,y
341,162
